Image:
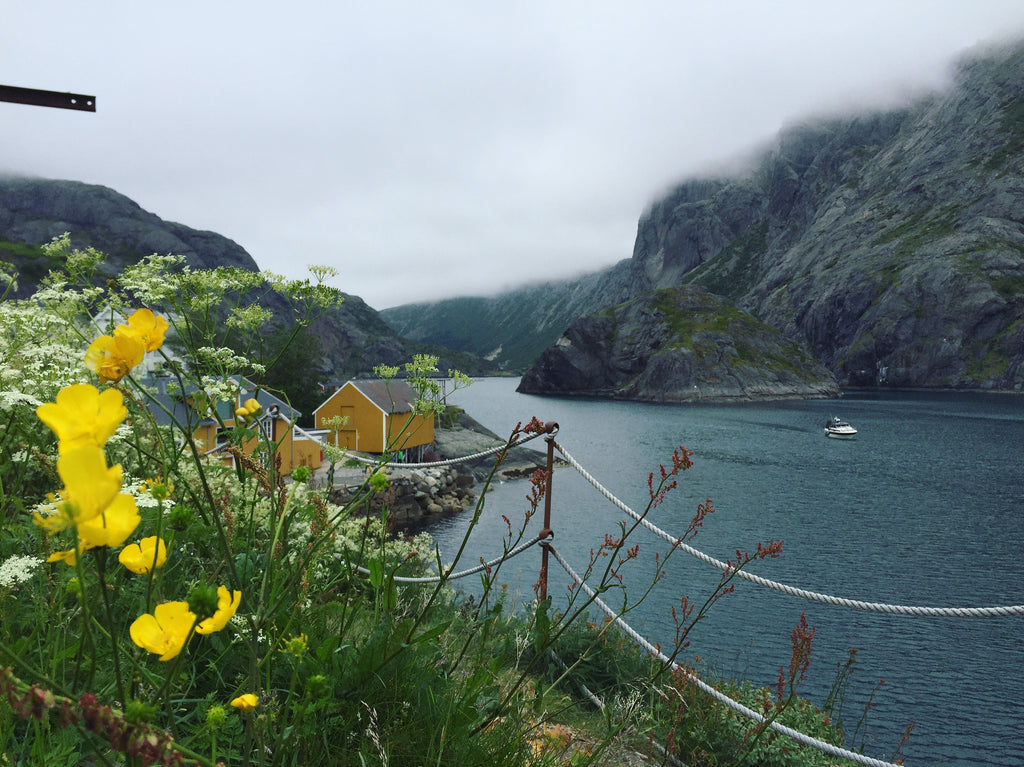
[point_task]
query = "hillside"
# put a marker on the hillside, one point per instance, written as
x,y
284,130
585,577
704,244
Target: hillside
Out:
x,y
514,328
892,244
353,338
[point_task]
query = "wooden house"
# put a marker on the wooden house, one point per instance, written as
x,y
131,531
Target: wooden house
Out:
x,y
294,446
379,417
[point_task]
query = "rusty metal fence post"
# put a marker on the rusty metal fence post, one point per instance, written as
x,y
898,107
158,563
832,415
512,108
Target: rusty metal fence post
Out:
x,y
551,428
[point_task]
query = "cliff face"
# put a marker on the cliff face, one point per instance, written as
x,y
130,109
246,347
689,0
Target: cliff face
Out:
x,y
891,244
33,211
678,344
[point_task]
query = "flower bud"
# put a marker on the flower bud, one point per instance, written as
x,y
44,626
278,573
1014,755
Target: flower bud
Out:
x,y
202,600
215,717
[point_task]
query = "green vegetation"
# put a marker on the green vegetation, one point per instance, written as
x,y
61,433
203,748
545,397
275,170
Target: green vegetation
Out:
x,y
30,262
699,321
222,613
733,270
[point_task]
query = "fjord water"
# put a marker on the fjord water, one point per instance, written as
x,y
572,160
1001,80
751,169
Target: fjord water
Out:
x,y
924,507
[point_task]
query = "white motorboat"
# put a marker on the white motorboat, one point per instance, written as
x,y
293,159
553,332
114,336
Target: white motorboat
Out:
x,y
839,429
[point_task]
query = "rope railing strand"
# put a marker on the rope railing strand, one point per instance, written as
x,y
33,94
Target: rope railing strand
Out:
x,y
450,461
877,607
470,571
796,735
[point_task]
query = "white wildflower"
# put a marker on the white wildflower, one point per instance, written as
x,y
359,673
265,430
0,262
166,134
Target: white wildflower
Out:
x,y
18,570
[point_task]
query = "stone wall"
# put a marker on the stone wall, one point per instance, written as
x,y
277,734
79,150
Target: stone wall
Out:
x,y
414,495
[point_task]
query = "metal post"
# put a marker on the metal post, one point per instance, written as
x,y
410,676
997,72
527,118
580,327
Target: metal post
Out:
x,y
551,428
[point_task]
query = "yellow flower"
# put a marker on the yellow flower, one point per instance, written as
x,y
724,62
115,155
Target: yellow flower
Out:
x,y
246,702
227,605
249,409
146,555
113,526
111,357
70,556
149,328
89,488
82,415
165,631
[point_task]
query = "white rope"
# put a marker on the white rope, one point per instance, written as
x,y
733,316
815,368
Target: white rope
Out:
x,y
452,461
878,607
796,735
463,573
598,703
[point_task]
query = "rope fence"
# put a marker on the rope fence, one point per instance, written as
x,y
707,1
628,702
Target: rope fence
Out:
x,y
545,540
878,607
477,569
796,735
451,461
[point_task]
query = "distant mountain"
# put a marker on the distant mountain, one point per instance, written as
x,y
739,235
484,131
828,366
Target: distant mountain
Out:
x,y
514,328
33,211
891,244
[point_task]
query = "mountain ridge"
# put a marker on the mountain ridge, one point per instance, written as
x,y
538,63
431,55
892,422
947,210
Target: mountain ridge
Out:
x,y
34,210
890,243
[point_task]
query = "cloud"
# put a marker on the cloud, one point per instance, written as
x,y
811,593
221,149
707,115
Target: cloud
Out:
x,y
430,150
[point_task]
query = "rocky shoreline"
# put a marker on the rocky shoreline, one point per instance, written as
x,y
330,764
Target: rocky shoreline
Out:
x,y
417,495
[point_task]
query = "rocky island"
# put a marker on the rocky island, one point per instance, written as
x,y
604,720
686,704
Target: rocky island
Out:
x,y
679,344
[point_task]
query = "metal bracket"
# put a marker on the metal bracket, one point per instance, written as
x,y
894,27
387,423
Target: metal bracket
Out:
x,y
40,98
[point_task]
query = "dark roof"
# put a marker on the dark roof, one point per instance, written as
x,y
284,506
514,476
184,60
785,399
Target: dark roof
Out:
x,y
182,414
394,396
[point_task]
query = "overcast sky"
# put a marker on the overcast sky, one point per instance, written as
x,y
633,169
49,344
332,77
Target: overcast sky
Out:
x,y
428,150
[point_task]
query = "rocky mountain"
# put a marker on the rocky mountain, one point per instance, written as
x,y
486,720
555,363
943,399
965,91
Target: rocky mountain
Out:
x,y
892,244
33,211
677,344
514,328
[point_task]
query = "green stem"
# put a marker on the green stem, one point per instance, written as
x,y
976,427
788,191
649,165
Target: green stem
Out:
x,y
101,567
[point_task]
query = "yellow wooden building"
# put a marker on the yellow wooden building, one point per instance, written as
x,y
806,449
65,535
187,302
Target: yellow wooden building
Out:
x,y
379,415
276,419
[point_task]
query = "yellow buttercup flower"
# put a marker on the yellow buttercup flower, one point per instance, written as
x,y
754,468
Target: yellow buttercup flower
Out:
x,y
82,415
113,526
246,702
165,631
149,328
248,410
146,555
112,357
70,556
227,605
89,488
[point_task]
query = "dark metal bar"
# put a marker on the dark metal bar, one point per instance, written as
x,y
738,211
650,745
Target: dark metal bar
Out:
x,y
39,98
551,427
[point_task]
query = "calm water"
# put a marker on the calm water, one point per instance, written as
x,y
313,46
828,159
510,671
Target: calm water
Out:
x,y
925,507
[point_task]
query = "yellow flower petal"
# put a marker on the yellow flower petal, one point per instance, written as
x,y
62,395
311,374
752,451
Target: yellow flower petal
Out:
x,y
149,328
89,486
82,415
111,357
146,555
165,631
246,702
227,605
70,556
113,526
